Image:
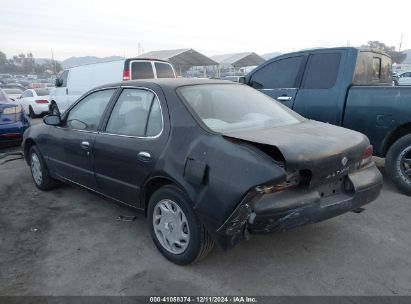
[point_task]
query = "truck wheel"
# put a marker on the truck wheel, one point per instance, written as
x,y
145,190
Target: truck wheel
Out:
x,y
175,228
54,110
398,163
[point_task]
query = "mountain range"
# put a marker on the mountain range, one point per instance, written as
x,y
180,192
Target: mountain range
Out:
x,y
408,59
76,61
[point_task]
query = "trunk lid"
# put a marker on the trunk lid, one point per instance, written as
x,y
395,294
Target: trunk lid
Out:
x,y
328,151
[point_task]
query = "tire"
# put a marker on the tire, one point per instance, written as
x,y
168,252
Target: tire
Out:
x,y
54,110
398,164
39,171
194,241
31,113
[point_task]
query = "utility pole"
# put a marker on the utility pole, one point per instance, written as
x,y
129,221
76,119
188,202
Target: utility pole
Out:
x,y
53,62
399,49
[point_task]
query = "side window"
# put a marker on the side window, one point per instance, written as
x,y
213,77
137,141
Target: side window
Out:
x,y
278,74
86,115
136,113
27,94
141,70
164,70
321,71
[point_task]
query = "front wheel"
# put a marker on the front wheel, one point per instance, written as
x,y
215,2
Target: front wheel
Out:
x,y
175,228
39,171
398,163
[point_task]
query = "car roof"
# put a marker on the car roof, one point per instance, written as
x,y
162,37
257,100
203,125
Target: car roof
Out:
x,y
170,83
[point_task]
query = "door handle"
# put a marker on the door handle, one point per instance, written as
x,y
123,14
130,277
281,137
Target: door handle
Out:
x,y
85,145
284,98
144,156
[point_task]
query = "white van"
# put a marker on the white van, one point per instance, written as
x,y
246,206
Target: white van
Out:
x,y
76,81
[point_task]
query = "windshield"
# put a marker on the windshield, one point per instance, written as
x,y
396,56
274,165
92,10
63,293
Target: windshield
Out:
x,y
230,107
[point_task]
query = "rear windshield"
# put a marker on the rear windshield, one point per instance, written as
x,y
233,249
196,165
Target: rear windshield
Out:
x,y
231,107
141,70
372,68
42,92
164,70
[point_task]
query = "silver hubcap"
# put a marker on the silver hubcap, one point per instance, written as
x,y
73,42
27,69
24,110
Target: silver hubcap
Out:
x,y
36,169
171,226
405,164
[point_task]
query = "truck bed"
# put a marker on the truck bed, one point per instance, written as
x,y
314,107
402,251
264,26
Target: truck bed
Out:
x,y
376,111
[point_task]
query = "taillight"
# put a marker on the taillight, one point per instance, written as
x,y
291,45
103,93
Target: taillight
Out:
x,y
41,101
366,156
126,75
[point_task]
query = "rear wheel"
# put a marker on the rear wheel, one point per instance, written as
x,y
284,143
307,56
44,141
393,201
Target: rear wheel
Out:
x,y
175,228
39,171
54,110
31,113
398,163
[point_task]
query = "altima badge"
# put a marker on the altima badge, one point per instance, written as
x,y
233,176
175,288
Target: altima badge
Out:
x,y
344,161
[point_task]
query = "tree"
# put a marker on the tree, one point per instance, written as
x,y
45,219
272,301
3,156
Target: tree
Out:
x,y
26,64
397,57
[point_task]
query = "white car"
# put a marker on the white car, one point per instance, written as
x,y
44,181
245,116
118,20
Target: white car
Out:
x,y
76,81
13,93
404,78
35,102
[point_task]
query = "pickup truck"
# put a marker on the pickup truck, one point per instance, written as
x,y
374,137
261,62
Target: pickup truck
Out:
x,y
348,87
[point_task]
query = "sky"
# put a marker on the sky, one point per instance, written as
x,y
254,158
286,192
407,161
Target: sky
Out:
x,y
105,28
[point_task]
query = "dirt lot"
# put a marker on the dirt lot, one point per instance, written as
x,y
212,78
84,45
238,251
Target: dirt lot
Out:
x,y
68,242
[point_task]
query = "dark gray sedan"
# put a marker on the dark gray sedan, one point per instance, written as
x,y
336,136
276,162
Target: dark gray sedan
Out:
x,y
207,161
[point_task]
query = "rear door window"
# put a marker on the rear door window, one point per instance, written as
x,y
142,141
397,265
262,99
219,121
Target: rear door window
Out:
x,y
141,70
136,113
322,71
278,74
164,70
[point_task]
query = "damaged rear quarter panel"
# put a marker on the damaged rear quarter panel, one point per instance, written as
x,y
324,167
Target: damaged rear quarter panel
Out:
x,y
215,172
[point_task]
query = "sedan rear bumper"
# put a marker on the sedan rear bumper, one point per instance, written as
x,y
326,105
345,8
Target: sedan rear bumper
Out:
x,y
286,210
281,211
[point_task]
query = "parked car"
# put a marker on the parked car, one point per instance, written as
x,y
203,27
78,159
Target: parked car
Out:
x,y
35,102
404,79
13,121
206,160
13,93
395,78
12,86
76,81
36,85
348,87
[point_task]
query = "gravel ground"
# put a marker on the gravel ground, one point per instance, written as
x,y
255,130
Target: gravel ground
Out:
x,y
68,242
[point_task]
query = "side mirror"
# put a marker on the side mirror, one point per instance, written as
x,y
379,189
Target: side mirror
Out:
x,y
58,82
241,79
52,120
